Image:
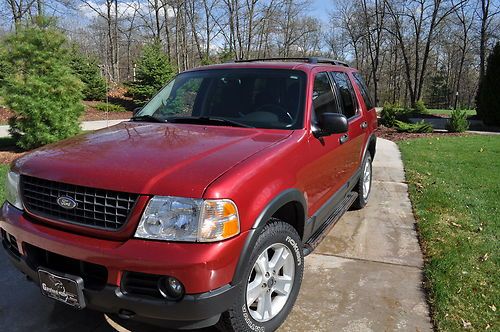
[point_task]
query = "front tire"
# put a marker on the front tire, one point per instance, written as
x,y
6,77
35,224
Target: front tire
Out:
x,y
364,185
271,281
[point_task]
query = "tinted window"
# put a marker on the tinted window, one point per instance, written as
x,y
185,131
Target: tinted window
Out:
x,y
364,90
261,98
323,97
346,93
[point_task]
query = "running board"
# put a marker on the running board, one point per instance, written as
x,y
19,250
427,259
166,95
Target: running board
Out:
x,y
327,226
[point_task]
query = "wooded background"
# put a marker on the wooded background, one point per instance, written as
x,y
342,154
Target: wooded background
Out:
x,y
408,50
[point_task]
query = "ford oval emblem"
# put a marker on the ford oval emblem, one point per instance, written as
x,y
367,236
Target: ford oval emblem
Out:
x,y
67,202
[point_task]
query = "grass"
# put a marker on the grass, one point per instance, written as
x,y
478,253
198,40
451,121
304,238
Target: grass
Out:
x,y
448,112
454,185
109,107
3,173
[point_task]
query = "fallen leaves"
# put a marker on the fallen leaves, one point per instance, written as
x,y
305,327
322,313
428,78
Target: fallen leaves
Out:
x,y
466,324
484,258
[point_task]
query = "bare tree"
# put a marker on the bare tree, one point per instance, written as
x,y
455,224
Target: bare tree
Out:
x,y
424,17
486,14
20,8
109,13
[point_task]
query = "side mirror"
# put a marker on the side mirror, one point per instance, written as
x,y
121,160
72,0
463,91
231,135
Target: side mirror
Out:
x,y
136,110
332,123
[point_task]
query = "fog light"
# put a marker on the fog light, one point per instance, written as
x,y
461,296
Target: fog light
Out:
x,y
171,288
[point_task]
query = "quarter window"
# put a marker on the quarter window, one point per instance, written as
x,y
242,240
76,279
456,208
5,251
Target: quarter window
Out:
x,y
346,93
364,90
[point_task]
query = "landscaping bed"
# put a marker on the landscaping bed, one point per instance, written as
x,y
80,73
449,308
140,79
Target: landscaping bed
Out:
x,y
393,135
454,186
93,114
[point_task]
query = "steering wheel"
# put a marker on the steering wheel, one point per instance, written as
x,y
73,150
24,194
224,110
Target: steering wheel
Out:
x,y
284,115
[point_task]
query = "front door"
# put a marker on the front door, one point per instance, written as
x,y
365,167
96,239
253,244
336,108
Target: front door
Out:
x,y
327,171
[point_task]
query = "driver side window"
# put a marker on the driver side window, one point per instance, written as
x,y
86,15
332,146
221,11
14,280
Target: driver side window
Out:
x,y
323,98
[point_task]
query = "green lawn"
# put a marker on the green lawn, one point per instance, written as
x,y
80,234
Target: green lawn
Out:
x,y
6,143
3,173
454,186
448,112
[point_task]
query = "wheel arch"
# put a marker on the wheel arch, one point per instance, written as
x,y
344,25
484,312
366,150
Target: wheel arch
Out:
x,y
290,203
284,203
371,146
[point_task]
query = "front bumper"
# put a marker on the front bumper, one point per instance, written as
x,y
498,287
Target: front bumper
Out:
x,y
206,270
193,311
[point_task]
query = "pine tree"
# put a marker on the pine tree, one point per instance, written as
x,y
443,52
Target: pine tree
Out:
x,y
41,88
88,71
4,67
488,97
438,90
153,72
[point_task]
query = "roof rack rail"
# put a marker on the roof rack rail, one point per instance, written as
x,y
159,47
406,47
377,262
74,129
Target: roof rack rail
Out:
x,y
312,60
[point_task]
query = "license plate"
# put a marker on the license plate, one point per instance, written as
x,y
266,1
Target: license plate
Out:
x,y
64,288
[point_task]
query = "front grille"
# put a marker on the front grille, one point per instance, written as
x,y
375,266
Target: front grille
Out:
x,y
97,208
94,276
136,283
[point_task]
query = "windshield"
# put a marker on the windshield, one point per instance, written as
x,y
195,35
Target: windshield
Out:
x,y
261,98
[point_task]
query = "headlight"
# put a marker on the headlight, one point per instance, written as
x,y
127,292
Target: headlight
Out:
x,y
12,190
185,219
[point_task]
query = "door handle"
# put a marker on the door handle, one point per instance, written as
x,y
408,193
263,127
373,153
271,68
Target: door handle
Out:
x,y
344,138
364,125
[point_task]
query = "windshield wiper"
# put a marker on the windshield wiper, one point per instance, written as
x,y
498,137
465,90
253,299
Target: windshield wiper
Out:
x,y
146,118
208,120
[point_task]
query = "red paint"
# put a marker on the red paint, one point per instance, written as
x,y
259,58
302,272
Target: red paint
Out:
x,y
250,166
200,267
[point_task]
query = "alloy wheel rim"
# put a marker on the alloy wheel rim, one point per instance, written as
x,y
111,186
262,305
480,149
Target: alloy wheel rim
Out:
x,y
367,180
270,283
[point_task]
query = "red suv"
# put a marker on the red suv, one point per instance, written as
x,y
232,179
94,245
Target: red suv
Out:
x,y
200,209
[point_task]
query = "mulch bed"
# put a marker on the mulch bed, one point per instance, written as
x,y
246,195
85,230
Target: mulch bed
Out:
x,y
117,95
5,114
92,114
392,135
6,157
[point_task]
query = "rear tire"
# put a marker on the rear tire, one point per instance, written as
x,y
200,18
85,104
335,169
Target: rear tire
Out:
x,y
271,281
364,185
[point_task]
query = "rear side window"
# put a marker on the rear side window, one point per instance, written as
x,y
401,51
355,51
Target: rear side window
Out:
x,y
323,97
346,93
364,90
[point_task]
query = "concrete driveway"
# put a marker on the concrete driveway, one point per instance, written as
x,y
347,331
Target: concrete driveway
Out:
x,y
365,276
367,273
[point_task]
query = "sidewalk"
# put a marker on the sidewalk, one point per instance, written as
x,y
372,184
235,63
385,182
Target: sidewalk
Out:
x,y
367,273
86,125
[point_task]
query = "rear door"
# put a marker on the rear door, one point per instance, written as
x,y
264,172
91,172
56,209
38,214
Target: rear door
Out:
x,y
350,107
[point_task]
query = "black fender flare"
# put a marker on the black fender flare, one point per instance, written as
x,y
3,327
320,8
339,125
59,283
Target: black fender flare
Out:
x,y
286,196
372,139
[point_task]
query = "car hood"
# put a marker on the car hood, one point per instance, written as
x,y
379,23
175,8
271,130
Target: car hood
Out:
x,y
148,158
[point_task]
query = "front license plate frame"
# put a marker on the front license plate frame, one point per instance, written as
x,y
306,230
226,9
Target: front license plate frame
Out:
x,y
62,287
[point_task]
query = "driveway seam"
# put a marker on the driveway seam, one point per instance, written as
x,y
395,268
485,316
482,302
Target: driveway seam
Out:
x,y
417,267
387,181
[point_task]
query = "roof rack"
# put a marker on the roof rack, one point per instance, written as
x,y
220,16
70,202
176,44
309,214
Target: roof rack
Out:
x,y
311,60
